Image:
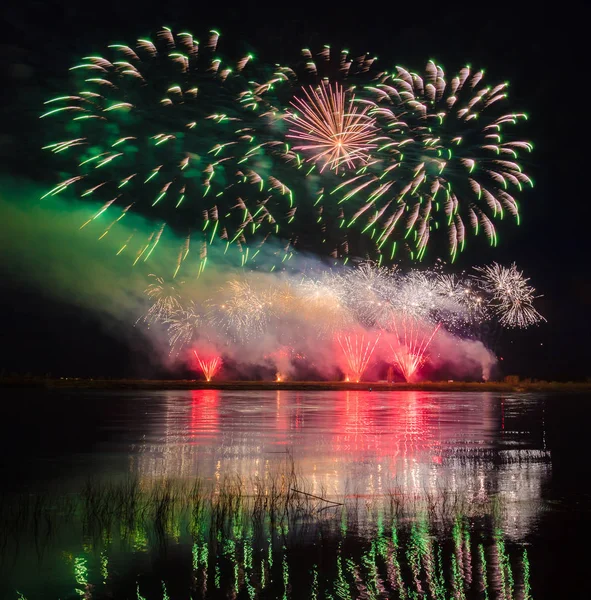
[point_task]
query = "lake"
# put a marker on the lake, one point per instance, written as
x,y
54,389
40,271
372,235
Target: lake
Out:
x,y
285,494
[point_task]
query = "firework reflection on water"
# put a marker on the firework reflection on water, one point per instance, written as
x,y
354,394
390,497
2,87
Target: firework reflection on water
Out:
x,y
358,444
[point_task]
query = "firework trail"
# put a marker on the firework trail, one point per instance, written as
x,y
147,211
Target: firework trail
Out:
x,y
330,129
209,367
357,352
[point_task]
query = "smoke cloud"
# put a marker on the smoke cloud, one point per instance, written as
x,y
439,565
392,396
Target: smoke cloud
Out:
x,y
267,321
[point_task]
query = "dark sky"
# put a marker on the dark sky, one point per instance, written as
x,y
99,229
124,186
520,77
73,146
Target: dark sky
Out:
x,y
541,52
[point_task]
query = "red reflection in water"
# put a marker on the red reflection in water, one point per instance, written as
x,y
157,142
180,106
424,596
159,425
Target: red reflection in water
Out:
x,y
406,428
395,432
205,419
281,417
288,416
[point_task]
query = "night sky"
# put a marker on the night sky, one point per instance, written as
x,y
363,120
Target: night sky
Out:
x,y
541,52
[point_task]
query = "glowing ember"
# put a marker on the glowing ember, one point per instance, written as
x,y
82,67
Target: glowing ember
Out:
x,y
412,341
209,367
358,352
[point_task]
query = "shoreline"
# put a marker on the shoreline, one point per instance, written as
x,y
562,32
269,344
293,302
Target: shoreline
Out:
x,y
185,384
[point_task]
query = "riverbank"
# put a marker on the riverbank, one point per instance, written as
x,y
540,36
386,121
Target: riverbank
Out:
x,y
186,384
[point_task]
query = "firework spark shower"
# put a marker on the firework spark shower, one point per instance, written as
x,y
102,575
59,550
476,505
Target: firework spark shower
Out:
x,y
344,322
333,132
233,153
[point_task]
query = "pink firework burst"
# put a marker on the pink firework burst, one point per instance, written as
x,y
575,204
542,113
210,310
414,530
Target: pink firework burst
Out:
x,y
331,128
209,366
412,340
357,351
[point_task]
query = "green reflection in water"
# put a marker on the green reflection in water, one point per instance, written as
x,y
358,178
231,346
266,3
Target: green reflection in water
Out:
x,y
526,584
188,544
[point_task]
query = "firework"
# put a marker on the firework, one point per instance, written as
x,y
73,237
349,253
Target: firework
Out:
x,y
324,302
328,65
445,161
357,351
166,300
410,306
435,154
369,290
243,310
210,366
183,326
461,293
311,111
158,129
331,130
282,299
282,359
280,320
511,296
170,130
376,295
412,339
501,282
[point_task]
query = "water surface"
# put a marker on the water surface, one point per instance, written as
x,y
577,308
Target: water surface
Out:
x,y
453,494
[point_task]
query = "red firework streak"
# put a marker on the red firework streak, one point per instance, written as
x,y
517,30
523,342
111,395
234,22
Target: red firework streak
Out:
x,y
209,367
358,353
413,340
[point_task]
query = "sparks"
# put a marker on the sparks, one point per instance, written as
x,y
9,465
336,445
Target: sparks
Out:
x,y
209,366
332,130
358,352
